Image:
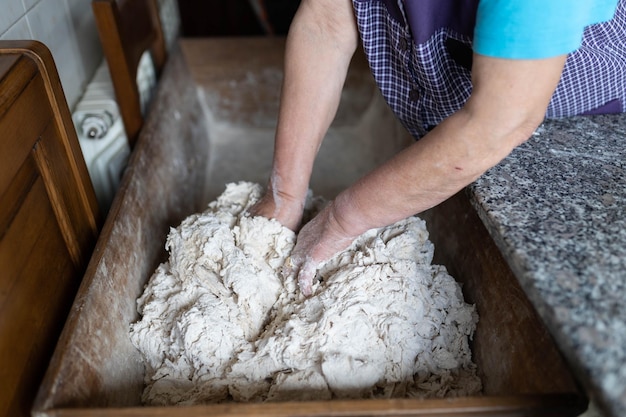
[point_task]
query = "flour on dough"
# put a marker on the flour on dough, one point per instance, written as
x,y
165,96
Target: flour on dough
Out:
x,y
220,322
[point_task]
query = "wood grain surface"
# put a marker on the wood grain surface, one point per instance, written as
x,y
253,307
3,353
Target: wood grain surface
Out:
x,y
97,372
48,219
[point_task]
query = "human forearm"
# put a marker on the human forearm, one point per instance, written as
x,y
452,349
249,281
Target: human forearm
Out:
x,y
508,103
320,44
447,159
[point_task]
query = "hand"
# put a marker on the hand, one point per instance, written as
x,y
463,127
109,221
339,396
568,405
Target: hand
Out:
x,y
318,241
284,208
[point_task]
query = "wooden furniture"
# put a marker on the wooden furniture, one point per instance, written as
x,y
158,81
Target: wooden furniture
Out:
x,y
48,219
127,29
208,18
101,374
218,18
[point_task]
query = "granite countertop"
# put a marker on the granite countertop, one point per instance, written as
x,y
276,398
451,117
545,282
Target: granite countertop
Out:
x,y
556,208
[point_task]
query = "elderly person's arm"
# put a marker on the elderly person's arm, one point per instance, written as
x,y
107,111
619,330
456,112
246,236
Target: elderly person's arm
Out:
x,y
320,44
508,102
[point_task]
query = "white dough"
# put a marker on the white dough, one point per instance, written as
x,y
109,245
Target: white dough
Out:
x,y
220,322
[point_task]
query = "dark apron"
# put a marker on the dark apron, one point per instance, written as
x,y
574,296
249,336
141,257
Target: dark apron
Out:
x,y
420,55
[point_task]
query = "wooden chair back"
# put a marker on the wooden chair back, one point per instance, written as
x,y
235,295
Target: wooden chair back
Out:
x,y
128,28
49,219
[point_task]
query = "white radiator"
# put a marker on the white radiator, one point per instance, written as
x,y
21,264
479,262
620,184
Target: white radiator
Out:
x,y
101,132
97,119
101,135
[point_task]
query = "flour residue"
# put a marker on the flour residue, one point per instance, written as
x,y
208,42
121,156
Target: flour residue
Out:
x,y
220,322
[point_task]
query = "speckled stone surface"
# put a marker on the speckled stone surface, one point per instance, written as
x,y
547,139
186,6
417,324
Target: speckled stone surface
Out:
x,y
556,207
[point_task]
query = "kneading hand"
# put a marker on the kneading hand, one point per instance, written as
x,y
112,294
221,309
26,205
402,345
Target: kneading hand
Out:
x,y
287,210
317,242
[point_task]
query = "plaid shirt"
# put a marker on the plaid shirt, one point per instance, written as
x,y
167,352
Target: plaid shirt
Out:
x,y
424,72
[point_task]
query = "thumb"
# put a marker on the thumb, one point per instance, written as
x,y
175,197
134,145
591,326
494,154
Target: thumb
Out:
x,y
306,274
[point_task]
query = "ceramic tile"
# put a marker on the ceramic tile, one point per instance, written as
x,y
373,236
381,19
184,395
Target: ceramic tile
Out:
x,y
29,4
12,10
19,30
50,23
86,35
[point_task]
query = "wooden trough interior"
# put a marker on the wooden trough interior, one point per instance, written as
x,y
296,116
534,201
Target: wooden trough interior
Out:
x,y
212,122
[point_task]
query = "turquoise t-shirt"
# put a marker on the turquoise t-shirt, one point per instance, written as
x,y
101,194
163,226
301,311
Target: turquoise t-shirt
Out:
x,y
534,29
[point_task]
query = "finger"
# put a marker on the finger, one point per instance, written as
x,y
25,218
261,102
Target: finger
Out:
x,y
305,278
291,266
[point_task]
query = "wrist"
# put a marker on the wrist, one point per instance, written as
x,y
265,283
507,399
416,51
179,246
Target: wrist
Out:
x,y
348,216
283,206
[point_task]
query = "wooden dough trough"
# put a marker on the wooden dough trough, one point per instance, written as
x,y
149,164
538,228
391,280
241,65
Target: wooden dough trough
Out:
x,y
212,122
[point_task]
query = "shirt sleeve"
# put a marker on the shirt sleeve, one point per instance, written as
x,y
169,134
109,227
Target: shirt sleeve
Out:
x,y
534,29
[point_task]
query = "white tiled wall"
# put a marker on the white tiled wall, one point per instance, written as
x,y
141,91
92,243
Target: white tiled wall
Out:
x,y
68,29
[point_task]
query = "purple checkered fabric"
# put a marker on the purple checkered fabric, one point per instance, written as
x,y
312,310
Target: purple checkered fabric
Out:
x,y
423,67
